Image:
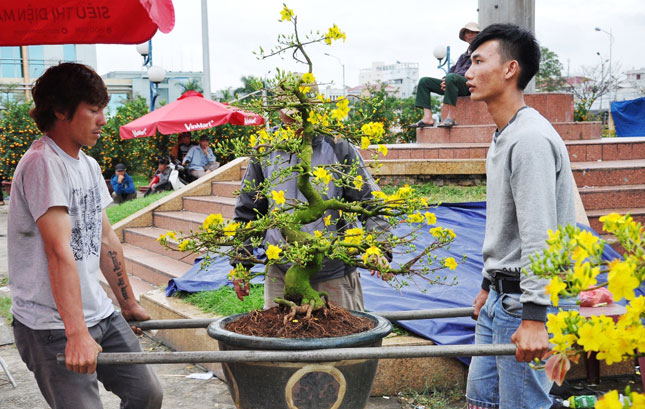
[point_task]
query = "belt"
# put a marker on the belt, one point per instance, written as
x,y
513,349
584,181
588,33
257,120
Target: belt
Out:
x,y
506,285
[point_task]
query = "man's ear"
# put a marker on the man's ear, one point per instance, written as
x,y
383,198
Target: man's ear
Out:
x,y
60,116
512,69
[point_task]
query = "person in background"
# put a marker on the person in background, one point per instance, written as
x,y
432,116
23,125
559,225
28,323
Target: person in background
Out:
x,y
200,159
122,185
160,180
184,143
59,241
451,86
530,189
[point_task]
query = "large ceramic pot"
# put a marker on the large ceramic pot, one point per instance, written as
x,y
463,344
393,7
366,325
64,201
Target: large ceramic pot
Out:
x,y
300,385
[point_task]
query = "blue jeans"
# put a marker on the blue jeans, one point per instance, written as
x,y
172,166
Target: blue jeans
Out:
x,y
501,381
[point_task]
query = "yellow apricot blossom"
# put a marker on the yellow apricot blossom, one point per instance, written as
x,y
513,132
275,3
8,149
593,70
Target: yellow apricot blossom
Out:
x,y
358,182
213,220
431,218
182,246
230,230
365,142
554,288
450,263
309,78
273,252
382,149
278,197
322,175
286,14
354,236
371,251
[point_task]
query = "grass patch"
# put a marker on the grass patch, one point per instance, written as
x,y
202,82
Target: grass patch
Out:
x,y
445,194
5,305
433,398
140,179
4,281
224,301
123,210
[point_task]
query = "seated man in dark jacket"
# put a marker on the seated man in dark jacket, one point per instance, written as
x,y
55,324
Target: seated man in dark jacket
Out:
x,y
122,185
451,86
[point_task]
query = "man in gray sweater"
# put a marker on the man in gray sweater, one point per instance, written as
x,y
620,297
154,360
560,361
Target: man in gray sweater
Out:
x,y
530,189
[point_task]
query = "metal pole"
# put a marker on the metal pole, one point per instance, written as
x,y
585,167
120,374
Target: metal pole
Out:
x,y
390,315
321,355
206,52
148,63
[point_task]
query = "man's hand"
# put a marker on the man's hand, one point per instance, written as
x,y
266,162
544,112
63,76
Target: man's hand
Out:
x,y
381,261
443,84
135,312
81,352
478,303
531,340
120,178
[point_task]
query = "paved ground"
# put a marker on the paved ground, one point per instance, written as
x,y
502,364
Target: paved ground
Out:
x,y
179,391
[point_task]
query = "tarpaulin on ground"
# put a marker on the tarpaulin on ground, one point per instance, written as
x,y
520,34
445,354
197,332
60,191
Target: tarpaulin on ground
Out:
x,y
467,220
629,117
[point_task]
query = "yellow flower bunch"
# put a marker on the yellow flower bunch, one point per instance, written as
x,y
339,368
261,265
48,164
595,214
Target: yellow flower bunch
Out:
x,y
354,236
342,109
322,175
213,221
334,33
286,14
308,78
358,182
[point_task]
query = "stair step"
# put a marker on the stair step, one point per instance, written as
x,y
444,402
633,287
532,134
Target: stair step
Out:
x,y
605,149
624,196
146,238
608,173
226,188
139,287
152,267
178,220
484,133
211,204
638,213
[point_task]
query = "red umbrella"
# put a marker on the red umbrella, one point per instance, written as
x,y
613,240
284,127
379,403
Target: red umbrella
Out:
x,y
81,22
190,112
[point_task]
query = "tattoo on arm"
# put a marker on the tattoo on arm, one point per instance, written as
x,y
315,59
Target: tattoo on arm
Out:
x,y
119,273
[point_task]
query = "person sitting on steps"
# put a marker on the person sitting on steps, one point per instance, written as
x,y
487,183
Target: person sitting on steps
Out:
x,y
451,86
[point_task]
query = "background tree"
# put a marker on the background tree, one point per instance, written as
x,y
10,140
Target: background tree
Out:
x,y
191,85
595,82
549,78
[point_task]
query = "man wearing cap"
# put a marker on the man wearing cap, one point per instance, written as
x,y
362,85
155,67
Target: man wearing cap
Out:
x,y
451,86
122,185
200,158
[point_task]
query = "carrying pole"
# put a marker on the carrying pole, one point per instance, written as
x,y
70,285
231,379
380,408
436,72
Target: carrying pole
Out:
x,y
319,355
389,315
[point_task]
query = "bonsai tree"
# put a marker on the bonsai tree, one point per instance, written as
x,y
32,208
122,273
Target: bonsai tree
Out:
x,y
314,114
573,262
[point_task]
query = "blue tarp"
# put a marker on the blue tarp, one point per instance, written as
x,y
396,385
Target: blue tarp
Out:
x,y
629,117
467,220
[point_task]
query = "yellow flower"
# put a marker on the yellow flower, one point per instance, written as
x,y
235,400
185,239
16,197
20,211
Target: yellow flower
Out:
x,y
278,197
230,230
554,288
450,263
273,252
556,322
334,33
374,130
354,236
365,142
383,149
342,109
590,336
304,89
371,251
358,182
322,175
622,281
308,78
318,234
379,195
327,220
431,218
414,218
286,14
182,246
213,220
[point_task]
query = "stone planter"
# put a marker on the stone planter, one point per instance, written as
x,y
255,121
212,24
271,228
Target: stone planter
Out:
x,y
293,385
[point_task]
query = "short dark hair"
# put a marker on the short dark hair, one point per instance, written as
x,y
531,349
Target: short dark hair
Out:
x,y
62,88
515,43
204,138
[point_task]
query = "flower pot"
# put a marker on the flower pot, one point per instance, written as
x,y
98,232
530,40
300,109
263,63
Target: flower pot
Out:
x,y
299,385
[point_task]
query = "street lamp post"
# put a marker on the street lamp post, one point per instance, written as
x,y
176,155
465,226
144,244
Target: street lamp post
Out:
x,y
440,52
602,75
343,66
156,74
611,42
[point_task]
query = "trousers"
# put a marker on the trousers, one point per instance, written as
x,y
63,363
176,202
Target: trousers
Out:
x,y
136,385
455,86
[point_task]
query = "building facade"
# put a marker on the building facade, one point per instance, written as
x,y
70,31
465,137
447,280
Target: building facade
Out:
x,y
402,76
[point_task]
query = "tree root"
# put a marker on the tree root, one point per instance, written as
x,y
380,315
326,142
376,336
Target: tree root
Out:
x,y
306,309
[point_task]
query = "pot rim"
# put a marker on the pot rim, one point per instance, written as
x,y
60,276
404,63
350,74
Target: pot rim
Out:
x,y
381,329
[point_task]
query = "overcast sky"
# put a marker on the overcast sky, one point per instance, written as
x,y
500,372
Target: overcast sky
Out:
x,y
377,30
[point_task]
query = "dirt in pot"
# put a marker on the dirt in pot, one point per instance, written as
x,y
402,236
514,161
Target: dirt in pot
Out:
x,y
324,323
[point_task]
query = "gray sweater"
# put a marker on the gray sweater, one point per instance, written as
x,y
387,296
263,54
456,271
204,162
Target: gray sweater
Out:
x,y
325,151
529,190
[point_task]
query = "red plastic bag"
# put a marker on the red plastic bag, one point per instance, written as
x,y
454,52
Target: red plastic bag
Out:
x,y
594,297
